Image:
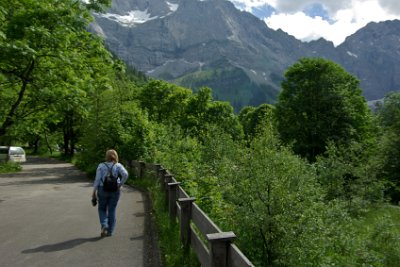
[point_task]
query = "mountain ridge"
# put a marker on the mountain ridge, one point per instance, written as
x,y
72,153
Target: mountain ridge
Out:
x,y
211,43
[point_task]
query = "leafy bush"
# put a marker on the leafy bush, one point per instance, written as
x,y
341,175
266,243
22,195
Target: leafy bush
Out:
x,y
167,229
8,167
177,152
350,174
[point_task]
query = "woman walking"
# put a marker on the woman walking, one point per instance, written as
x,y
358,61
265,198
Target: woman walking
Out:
x,y
106,192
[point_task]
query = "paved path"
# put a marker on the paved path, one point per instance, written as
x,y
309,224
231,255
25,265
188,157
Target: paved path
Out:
x,y
46,219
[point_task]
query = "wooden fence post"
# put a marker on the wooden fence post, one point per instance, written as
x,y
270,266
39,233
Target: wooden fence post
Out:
x,y
172,193
132,167
161,173
158,168
219,245
186,215
161,178
129,164
167,180
142,168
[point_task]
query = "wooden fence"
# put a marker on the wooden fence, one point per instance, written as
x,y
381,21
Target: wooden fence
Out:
x,y
213,248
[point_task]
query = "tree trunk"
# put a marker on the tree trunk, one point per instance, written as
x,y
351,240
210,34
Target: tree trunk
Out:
x,y
36,145
9,121
47,143
69,138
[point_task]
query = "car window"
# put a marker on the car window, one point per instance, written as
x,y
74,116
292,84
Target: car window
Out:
x,y
16,151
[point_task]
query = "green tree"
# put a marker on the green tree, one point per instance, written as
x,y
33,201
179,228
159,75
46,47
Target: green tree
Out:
x,y
389,152
193,121
171,104
274,202
2,22
164,102
320,103
253,119
116,121
202,111
349,174
39,131
46,51
222,114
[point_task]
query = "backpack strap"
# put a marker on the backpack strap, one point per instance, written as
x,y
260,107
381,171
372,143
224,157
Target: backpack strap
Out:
x,y
109,169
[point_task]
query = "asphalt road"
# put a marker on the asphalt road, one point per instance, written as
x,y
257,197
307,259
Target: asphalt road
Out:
x,y
46,219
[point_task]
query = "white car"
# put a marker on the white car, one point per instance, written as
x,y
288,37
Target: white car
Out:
x,y
12,154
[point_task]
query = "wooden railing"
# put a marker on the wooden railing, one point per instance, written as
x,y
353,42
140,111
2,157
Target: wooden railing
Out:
x,y
213,247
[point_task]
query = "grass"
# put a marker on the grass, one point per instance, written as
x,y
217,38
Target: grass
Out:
x,y
380,228
168,230
10,167
378,214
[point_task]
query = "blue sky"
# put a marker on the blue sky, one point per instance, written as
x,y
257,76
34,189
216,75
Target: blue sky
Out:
x,y
309,20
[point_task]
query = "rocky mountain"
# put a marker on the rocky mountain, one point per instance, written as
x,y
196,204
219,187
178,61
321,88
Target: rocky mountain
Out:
x,y
373,55
211,43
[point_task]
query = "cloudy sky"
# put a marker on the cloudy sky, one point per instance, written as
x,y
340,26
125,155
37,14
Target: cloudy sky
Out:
x,y
333,20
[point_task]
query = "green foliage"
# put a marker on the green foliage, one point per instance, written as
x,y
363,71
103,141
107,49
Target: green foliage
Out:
x,y
384,240
98,5
135,75
171,104
217,158
164,102
275,196
49,63
221,114
320,103
168,230
254,119
2,22
118,124
10,167
202,111
273,200
350,174
60,87
178,153
379,231
389,152
230,82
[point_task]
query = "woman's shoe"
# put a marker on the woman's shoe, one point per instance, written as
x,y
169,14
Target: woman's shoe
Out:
x,y
104,232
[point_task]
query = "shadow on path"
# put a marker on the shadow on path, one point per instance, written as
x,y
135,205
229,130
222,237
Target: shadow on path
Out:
x,y
61,246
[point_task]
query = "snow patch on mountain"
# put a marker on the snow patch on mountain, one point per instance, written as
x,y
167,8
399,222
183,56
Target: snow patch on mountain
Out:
x,y
352,54
131,18
172,7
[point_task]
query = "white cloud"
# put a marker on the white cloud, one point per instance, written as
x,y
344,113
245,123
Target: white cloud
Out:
x,y
391,6
290,6
346,16
249,4
306,28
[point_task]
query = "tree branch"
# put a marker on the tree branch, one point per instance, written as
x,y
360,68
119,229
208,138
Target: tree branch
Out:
x,y
10,116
